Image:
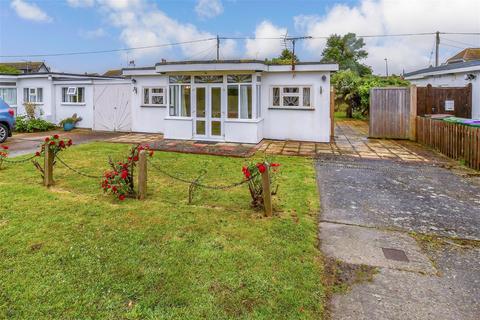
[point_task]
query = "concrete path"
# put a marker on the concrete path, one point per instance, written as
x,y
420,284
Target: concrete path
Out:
x,y
375,212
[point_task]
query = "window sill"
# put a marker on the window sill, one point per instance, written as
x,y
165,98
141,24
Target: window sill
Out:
x,y
292,108
73,104
179,118
153,106
243,120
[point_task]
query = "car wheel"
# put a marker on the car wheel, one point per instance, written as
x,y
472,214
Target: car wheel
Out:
x,y
3,133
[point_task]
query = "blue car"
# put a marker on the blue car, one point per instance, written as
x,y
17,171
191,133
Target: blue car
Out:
x,y
7,121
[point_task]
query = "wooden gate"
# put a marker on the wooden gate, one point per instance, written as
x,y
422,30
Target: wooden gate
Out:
x,y
111,107
390,113
433,100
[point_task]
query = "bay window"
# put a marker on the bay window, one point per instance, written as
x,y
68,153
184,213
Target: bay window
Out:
x,y
179,96
239,97
73,95
34,95
291,97
154,96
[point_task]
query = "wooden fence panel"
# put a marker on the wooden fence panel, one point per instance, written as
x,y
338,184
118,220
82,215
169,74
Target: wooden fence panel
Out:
x,y
457,141
431,100
390,113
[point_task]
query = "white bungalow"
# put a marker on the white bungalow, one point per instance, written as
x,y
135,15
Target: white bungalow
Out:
x,y
232,101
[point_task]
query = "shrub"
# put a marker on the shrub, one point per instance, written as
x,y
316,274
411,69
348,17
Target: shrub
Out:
x,y
73,119
25,124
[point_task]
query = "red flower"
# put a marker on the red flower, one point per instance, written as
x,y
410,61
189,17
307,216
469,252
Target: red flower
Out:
x,y
69,142
124,174
121,197
55,136
5,147
52,143
246,172
135,158
37,154
62,144
274,164
47,139
114,189
261,167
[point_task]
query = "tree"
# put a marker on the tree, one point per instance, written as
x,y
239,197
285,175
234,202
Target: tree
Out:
x,y
285,58
8,69
346,51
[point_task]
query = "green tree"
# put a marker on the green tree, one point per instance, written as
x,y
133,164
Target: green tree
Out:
x,y
347,51
8,69
285,58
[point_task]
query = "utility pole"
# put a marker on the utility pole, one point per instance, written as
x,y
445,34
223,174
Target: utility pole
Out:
x,y
437,47
218,48
386,66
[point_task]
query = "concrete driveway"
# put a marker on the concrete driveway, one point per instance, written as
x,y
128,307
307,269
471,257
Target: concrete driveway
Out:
x,y
25,143
415,225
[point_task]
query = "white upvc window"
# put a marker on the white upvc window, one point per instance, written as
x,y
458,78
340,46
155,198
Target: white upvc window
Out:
x,y
291,97
34,95
154,96
9,95
73,95
239,96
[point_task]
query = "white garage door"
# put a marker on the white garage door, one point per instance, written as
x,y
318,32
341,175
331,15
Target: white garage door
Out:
x,y
112,107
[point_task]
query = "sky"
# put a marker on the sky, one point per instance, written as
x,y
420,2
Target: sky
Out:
x,y
29,27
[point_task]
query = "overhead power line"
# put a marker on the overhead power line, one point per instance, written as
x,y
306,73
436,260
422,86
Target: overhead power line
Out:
x,y
217,39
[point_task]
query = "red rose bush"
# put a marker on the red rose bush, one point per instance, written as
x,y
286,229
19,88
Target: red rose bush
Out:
x,y
3,154
253,173
119,180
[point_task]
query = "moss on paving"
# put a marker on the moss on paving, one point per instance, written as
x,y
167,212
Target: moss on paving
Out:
x,y
72,252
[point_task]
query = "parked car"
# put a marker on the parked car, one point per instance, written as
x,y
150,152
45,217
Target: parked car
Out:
x,y
7,121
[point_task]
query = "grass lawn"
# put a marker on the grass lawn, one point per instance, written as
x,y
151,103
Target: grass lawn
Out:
x,y
73,252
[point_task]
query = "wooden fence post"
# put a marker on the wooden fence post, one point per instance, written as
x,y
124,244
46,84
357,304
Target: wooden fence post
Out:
x,y
142,175
267,193
413,113
49,159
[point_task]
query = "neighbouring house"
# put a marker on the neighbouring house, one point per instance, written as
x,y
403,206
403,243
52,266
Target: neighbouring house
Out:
x,y
28,66
458,71
57,95
234,101
113,73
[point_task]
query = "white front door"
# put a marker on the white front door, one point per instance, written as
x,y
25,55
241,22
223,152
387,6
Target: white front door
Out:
x,y
208,122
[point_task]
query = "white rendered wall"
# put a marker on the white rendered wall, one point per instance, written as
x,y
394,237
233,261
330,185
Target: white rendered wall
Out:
x,y
178,128
455,80
291,124
47,106
83,110
244,131
148,118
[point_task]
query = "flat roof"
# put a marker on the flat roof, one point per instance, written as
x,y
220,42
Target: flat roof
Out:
x,y
58,74
445,67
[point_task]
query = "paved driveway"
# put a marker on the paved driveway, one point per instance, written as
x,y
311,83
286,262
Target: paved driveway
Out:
x,y
376,212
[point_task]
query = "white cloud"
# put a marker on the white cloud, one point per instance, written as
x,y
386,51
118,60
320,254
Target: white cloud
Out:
x,y
142,23
29,11
209,8
92,34
372,17
81,3
260,48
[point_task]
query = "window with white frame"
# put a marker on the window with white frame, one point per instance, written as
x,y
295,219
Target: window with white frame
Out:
x,y
179,96
239,97
154,96
9,95
291,97
73,95
34,95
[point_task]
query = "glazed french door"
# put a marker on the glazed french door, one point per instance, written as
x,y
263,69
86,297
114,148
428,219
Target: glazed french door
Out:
x,y
208,116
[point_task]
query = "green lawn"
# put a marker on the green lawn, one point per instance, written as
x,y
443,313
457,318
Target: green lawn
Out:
x,y
73,252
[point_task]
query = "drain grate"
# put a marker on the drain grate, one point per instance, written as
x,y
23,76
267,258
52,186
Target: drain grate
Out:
x,y
395,254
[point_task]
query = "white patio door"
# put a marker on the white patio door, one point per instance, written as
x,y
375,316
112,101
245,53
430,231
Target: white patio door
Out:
x,y
208,112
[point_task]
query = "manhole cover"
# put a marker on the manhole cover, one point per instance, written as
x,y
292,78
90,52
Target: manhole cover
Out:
x,y
395,254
